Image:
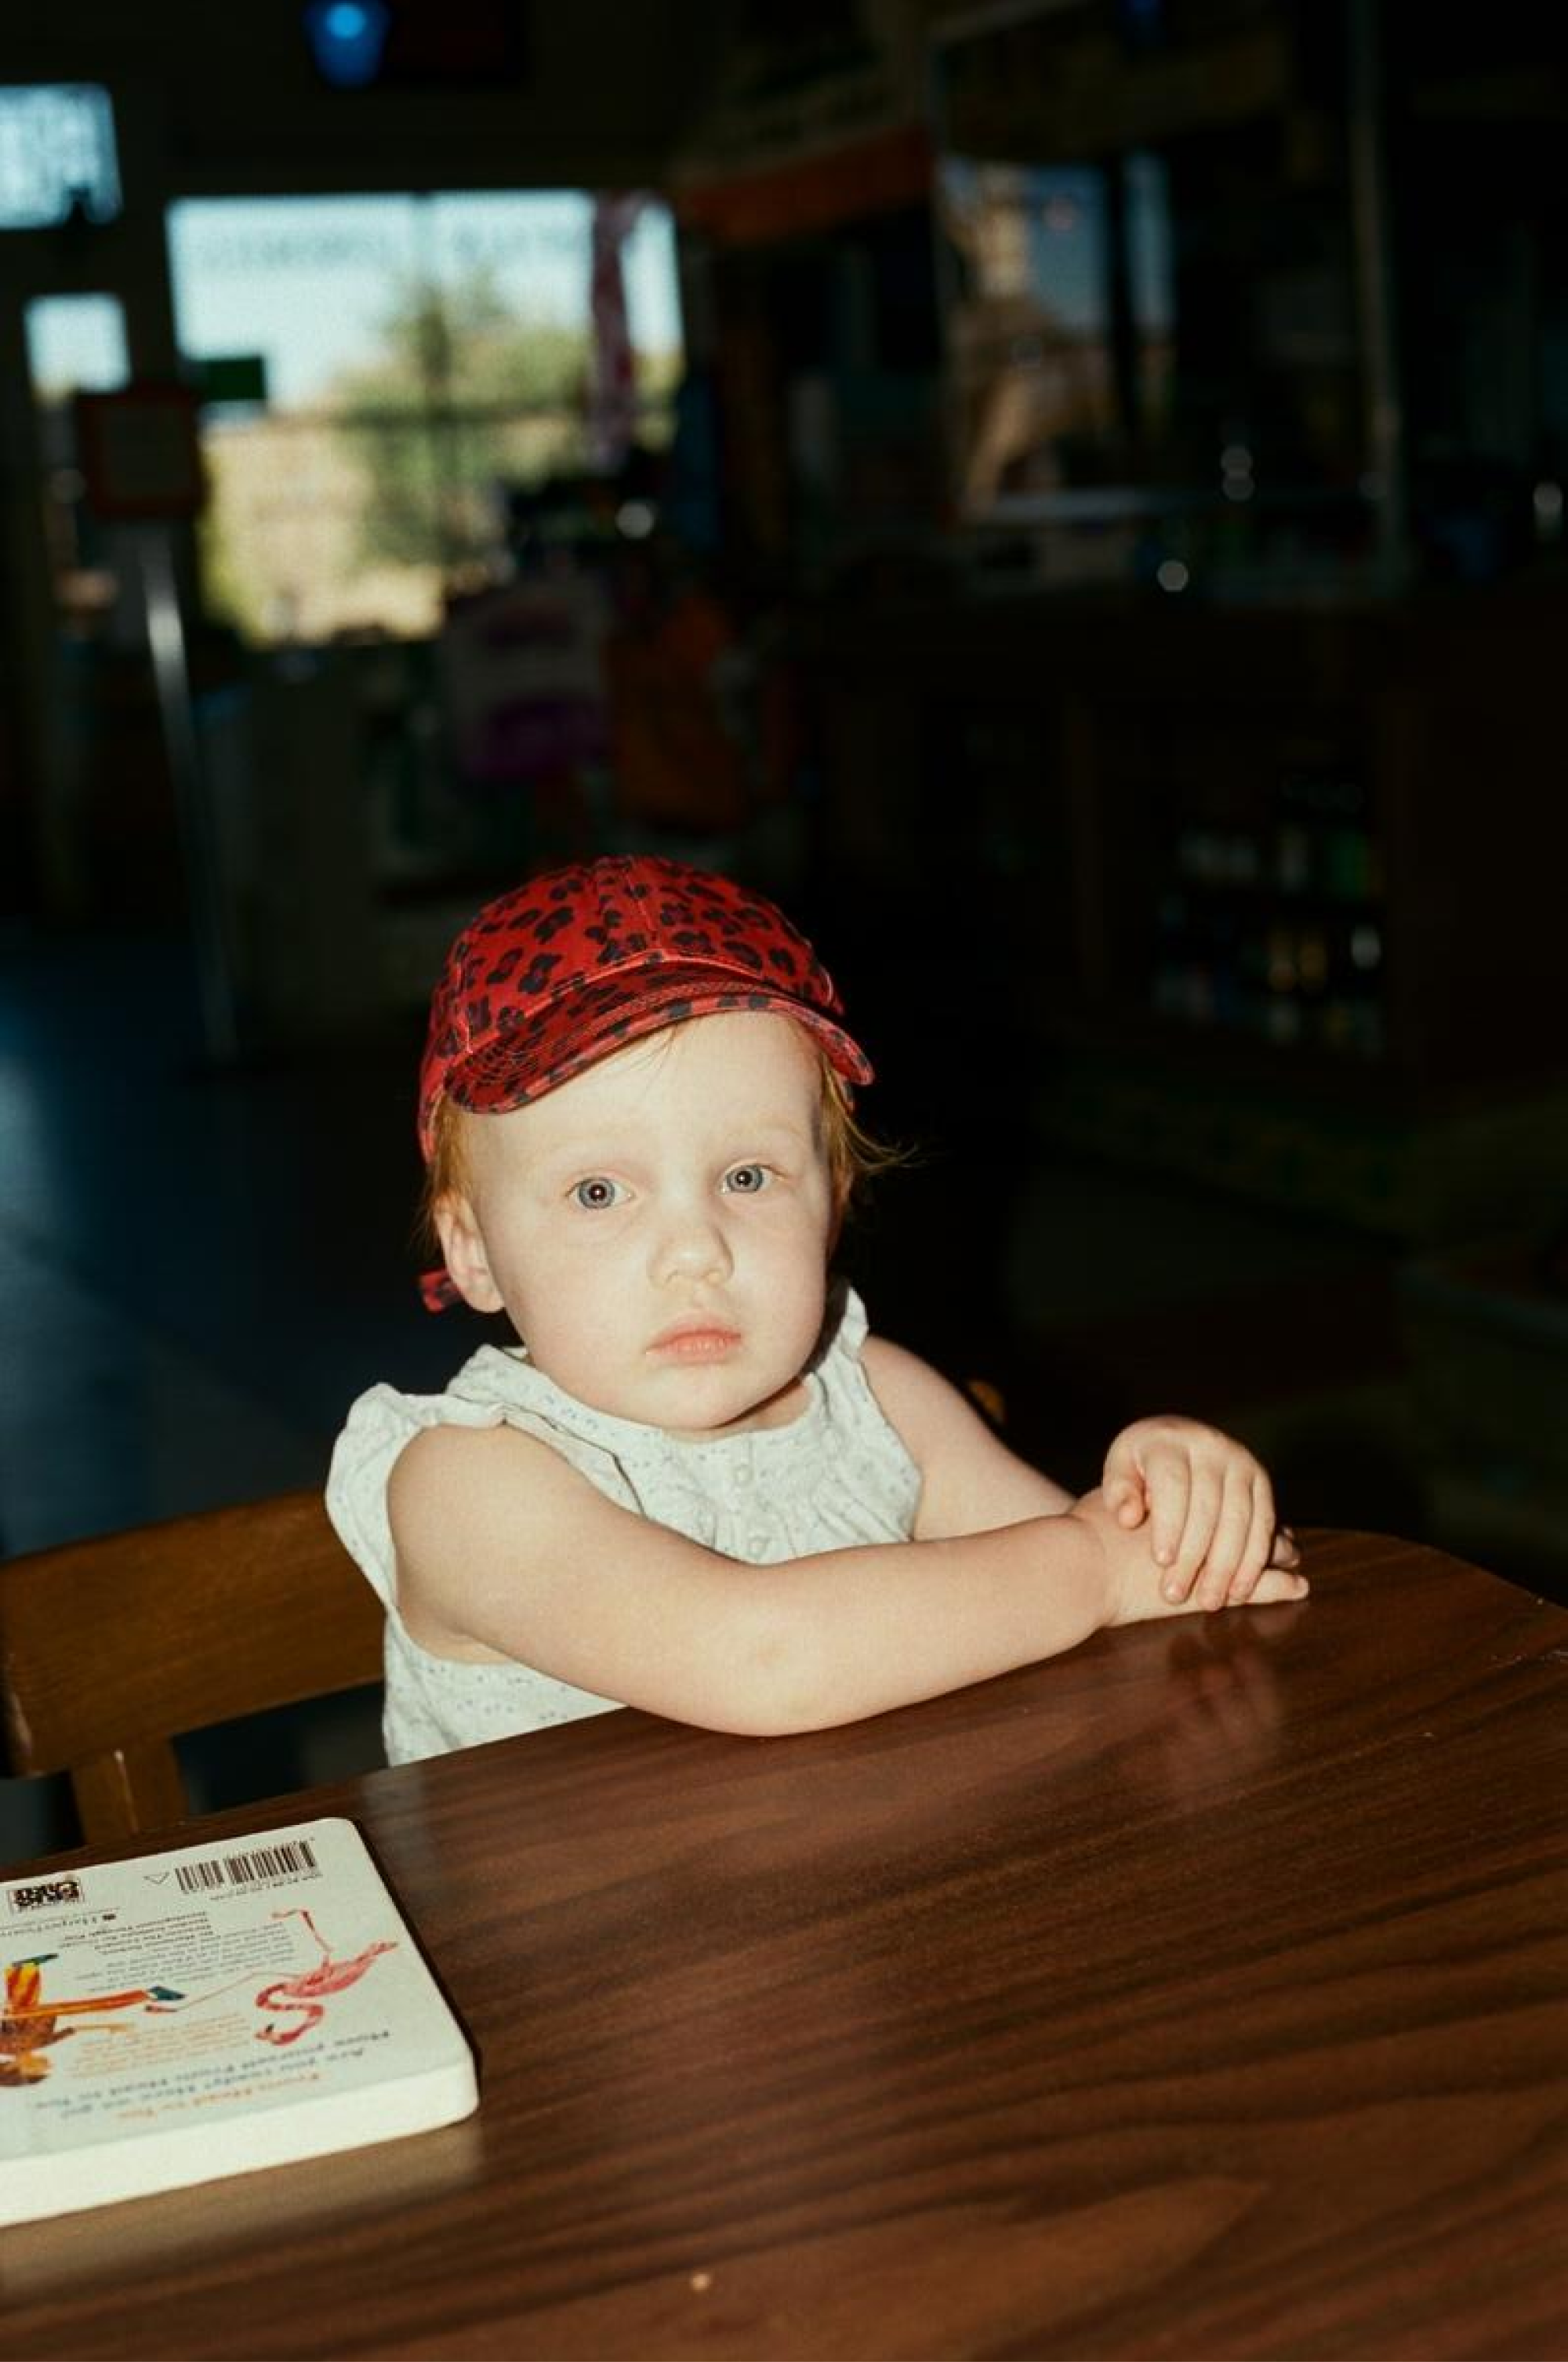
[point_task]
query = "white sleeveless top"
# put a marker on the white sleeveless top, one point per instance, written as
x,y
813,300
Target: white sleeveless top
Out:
x,y
836,1476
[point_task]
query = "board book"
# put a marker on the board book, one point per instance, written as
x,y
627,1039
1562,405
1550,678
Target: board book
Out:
x,y
206,2009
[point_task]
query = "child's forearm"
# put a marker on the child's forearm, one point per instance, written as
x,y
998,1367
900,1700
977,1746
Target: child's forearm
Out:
x,y
537,1565
847,1633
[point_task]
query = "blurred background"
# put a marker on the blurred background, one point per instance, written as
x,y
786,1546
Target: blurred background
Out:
x,y
1067,494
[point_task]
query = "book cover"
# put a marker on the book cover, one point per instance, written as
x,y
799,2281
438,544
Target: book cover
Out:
x,y
209,2009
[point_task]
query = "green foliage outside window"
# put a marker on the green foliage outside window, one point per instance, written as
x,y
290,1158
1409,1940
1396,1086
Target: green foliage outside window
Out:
x,y
463,396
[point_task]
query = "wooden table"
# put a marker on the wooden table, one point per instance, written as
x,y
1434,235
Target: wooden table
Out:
x,y
1200,1994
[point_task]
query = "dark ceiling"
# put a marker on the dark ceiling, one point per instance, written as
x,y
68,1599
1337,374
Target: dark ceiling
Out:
x,y
589,91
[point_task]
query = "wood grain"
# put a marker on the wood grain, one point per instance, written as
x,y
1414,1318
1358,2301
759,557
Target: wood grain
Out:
x,y
112,1646
1197,1994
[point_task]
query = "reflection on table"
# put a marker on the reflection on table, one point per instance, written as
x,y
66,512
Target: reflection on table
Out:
x,y
1197,1993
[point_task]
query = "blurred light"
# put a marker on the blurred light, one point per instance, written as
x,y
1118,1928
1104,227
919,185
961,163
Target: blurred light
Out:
x,y
76,344
347,40
1372,486
1236,472
58,156
1172,575
1365,947
1547,502
635,519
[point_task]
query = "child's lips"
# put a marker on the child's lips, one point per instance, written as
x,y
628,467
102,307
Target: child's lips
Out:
x,y
700,1339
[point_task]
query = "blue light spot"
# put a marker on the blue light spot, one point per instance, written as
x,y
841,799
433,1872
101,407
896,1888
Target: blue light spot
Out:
x,y
347,40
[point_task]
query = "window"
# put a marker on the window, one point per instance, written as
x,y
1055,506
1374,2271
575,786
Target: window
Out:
x,y
415,364
76,344
1150,294
1060,325
57,155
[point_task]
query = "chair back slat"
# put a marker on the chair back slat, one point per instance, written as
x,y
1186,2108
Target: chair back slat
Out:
x,y
110,1647
128,1790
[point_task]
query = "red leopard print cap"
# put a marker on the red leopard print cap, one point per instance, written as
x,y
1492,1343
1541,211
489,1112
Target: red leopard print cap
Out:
x,y
552,976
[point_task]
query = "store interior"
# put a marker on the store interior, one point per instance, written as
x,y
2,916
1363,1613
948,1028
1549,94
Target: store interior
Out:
x,y
1066,495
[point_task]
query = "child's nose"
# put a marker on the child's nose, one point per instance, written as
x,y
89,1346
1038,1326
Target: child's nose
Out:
x,y
692,1245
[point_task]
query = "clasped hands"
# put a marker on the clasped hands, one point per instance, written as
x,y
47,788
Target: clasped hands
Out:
x,y
1208,1505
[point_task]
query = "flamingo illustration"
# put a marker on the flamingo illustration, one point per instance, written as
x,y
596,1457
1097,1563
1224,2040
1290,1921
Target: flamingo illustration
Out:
x,y
306,1992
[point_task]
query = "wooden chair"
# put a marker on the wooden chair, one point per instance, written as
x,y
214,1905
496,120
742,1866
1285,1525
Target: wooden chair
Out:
x,y
112,1648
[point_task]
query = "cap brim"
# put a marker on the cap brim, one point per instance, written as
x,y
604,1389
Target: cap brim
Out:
x,y
591,1022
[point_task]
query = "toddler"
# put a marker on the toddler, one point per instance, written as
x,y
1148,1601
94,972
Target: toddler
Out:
x,y
696,1485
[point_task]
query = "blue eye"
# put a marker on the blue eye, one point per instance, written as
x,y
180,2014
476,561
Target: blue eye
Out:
x,y
596,1192
745,1180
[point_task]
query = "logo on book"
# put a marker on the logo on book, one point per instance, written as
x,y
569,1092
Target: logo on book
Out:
x,y
45,1893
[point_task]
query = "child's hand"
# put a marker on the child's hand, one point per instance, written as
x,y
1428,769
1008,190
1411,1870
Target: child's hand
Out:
x,y
1137,1588
1209,1507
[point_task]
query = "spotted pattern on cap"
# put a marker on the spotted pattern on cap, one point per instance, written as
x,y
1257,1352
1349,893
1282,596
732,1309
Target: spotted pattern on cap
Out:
x,y
556,974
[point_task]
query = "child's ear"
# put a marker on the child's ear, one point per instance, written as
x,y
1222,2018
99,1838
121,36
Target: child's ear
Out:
x,y
462,1243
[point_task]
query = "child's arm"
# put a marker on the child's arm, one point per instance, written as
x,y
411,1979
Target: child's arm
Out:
x,y
970,1482
1208,1502
503,1549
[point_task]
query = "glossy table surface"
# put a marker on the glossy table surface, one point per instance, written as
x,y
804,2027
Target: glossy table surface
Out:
x,y
1199,1993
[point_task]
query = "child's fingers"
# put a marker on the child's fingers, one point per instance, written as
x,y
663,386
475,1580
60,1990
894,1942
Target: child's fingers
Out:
x,y
1276,1582
1125,1500
1113,1487
1226,1556
1204,1496
1122,1484
1258,1546
1146,1593
1167,1477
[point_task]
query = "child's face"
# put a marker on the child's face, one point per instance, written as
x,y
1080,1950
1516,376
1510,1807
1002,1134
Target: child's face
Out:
x,y
657,1228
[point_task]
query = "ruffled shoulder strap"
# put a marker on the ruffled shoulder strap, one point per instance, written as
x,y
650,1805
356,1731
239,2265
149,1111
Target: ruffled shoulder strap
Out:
x,y
492,1389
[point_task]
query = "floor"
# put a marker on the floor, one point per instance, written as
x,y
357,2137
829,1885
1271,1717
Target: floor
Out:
x,y
201,1265
200,1268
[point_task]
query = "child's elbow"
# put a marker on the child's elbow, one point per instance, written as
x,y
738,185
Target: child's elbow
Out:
x,y
782,1718
777,1718
777,1685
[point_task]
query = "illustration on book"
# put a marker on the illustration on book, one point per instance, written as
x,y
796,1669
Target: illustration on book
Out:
x,y
31,2023
204,2011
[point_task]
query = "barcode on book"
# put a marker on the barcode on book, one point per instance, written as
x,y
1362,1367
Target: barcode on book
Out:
x,y
291,1860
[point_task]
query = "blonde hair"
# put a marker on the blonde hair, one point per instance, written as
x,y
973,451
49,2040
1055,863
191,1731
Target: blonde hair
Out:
x,y
854,1157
